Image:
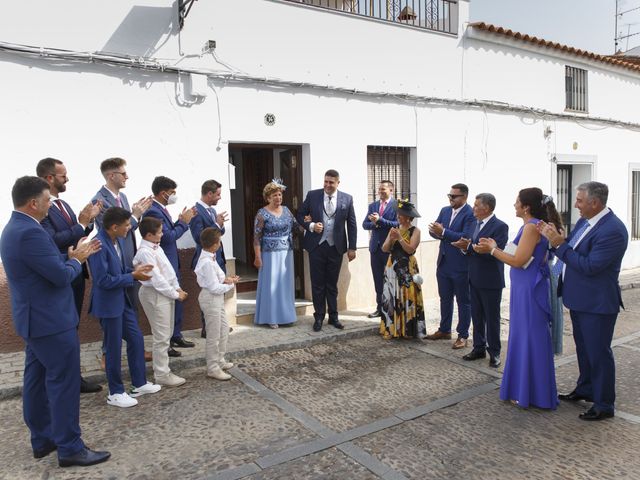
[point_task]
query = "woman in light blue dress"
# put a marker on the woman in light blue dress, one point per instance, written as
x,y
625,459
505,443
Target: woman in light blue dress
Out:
x,y
273,229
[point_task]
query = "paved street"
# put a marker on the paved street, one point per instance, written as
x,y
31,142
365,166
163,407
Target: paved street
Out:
x,y
352,407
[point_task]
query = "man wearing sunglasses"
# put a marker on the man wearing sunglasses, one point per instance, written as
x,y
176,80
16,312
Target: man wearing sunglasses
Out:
x,y
452,272
66,229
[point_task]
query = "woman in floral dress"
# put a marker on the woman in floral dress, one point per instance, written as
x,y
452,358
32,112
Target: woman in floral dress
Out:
x,y
402,305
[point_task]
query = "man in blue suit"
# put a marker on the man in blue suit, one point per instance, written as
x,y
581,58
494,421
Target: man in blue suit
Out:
x,y
111,304
164,193
452,272
381,217
110,195
207,216
486,279
66,229
591,256
331,232
44,315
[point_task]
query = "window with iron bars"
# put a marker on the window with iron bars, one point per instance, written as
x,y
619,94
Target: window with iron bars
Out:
x,y
388,163
635,205
576,89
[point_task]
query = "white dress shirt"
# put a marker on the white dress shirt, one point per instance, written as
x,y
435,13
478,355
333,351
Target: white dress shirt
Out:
x,y
209,274
454,214
163,278
208,208
592,223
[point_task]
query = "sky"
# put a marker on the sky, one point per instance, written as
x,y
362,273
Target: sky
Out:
x,y
585,24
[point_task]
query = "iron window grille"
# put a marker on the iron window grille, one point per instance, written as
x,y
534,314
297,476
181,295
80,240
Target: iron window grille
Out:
x,y
388,163
576,89
439,15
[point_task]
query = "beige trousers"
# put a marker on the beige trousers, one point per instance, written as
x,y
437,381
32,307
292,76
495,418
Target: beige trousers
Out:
x,y
217,328
160,311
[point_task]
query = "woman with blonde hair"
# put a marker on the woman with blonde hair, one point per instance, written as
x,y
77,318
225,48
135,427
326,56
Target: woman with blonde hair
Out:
x,y
272,245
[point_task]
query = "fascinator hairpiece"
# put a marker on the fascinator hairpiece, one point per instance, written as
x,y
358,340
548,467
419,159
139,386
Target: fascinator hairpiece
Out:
x,y
278,183
405,207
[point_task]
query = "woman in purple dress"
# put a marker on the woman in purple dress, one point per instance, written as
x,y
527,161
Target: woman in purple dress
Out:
x,y
529,375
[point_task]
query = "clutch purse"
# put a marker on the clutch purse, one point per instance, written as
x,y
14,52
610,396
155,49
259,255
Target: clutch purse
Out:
x,y
510,248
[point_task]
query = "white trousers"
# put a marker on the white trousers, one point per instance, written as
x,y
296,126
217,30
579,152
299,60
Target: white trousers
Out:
x,y
160,311
217,328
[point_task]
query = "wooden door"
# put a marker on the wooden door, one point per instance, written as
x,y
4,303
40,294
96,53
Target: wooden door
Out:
x,y
258,171
291,173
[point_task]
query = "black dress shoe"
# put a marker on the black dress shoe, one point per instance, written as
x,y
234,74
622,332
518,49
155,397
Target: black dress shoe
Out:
x,y
494,362
84,458
593,415
572,397
182,343
336,323
172,352
89,387
475,355
317,325
375,314
44,451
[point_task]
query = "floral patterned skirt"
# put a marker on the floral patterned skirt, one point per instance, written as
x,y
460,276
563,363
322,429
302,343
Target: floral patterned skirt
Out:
x,y
402,305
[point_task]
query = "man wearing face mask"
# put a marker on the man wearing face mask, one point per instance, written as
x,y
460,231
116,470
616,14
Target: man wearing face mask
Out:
x,y
164,193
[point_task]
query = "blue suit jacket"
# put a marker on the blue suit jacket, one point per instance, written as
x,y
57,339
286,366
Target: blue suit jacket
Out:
x,y
590,282
39,279
171,232
198,223
486,271
464,221
345,215
63,234
380,229
110,280
108,201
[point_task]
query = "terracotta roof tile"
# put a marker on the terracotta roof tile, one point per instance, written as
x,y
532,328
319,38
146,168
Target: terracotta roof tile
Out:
x,y
612,60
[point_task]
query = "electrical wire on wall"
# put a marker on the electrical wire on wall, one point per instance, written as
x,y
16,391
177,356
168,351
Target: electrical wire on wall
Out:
x,y
150,64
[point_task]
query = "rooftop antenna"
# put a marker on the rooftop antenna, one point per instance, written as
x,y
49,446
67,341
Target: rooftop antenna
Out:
x,y
628,35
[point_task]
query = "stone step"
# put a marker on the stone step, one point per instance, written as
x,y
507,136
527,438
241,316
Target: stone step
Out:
x,y
302,309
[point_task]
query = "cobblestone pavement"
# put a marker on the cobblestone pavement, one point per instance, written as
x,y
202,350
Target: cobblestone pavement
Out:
x,y
357,408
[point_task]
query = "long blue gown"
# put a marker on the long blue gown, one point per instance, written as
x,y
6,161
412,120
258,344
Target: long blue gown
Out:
x,y
529,376
275,297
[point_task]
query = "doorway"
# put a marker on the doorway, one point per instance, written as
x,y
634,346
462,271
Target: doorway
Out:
x,y
569,176
255,166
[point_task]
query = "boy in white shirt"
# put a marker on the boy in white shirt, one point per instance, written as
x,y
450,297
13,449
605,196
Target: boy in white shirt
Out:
x,y
157,297
214,285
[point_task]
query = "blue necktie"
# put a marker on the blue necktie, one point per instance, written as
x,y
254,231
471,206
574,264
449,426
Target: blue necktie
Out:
x,y
477,230
557,268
